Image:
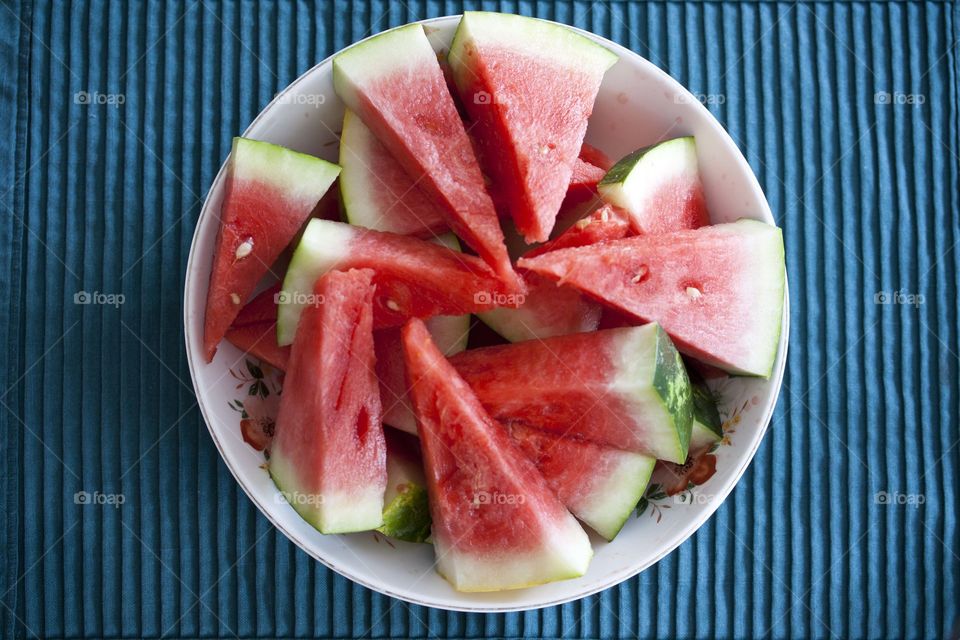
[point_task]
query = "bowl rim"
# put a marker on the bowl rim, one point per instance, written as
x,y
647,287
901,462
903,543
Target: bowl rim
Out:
x,y
614,578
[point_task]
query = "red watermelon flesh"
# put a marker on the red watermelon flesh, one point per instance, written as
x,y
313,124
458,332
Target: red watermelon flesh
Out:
x,y
328,455
414,278
404,100
449,334
606,223
255,329
271,192
625,388
528,87
496,523
717,290
583,181
594,156
600,485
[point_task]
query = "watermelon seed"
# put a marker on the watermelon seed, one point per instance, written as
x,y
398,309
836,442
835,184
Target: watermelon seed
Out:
x,y
244,249
640,275
694,293
234,298
583,224
393,306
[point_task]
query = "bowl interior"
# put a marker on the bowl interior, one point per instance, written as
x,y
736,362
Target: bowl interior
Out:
x,y
637,105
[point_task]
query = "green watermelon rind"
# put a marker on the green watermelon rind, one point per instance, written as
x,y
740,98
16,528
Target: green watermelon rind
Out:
x,y
652,381
328,513
707,426
298,176
537,38
407,516
630,180
612,503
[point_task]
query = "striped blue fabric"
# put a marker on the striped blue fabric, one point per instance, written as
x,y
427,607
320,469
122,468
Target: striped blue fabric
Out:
x,y
115,118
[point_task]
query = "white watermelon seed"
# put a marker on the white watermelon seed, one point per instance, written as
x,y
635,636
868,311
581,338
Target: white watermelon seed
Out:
x,y
642,271
234,298
244,249
393,306
694,293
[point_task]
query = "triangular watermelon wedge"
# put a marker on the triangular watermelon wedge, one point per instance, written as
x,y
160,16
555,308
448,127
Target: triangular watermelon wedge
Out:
x,y
624,388
270,194
255,329
496,523
528,86
718,290
394,83
328,455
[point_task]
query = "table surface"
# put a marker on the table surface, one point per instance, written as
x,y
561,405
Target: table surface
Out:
x,y
115,118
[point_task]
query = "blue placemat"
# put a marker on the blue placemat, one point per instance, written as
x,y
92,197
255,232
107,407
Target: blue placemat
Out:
x,y
119,518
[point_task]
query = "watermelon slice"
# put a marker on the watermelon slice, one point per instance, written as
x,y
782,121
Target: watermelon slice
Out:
x,y
606,223
414,278
376,191
548,310
255,329
328,454
660,187
270,194
600,485
406,511
528,87
718,290
624,388
393,82
496,523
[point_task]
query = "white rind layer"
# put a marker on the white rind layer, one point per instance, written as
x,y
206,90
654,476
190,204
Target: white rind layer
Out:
x,y
612,501
766,280
702,436
395,53
634,358
356,187
660,164
323,246
565,553
359,509
530,36
298,176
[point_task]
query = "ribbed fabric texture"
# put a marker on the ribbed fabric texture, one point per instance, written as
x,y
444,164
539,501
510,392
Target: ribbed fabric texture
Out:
x,y
103,198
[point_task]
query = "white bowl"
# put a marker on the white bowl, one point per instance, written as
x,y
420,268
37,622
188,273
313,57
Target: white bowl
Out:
x,y
638,104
